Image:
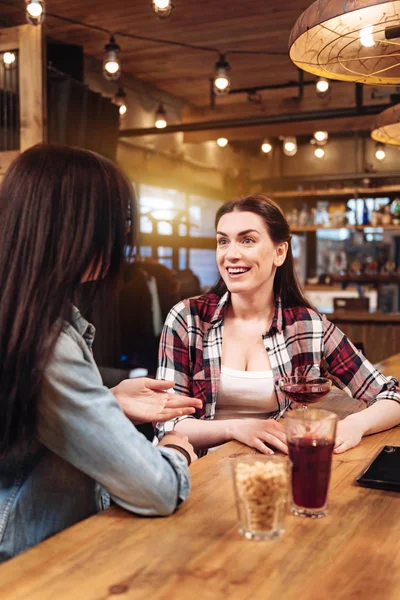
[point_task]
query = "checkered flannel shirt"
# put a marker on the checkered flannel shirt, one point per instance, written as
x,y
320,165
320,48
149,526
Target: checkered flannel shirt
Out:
x,y
299,340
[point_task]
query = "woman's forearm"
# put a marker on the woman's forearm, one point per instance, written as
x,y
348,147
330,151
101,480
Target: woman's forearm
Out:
x,y
205,434
382,415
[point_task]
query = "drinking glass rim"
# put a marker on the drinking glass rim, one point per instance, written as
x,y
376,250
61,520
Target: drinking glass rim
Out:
x,y
311,414
291,378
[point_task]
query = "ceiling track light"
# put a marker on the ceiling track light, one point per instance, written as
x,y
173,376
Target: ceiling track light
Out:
x,y
222,142
120,101
9,60
322,86
266,147
111,60
319,152
222,82
161,117
289,146
35,11
162,8
321,137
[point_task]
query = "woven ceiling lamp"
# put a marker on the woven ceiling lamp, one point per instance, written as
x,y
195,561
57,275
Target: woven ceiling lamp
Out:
x,y
387,126
350,40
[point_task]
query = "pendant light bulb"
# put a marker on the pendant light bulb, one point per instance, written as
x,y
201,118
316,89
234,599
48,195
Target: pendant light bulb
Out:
x,y
222,82
222,142
366,37
321,136
162,8
319,152
120,101
289,146
9,60
322,86
380,153
161,117
266,147
35,11
111,61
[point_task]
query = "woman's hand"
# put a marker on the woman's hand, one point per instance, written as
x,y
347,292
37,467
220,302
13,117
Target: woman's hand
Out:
x,y
257,433
144,400
348,434
179,440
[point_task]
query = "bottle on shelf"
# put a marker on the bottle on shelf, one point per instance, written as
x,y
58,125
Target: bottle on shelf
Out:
x,y
396,212
365,215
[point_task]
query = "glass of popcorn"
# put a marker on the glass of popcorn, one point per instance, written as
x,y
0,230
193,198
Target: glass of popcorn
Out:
x,y
261,488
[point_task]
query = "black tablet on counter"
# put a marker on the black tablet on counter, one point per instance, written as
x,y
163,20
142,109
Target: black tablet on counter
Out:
x,y
383,472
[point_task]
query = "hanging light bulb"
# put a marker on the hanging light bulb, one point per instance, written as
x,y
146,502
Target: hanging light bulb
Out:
x,y
222,82
111,62
321,136
319,152
161,117
222,142
120,100
162,8
9,60
35,11
322,86
289,146
266,147
380,153
366,37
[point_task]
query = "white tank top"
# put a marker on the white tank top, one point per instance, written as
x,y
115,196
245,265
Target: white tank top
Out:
x,y
245,394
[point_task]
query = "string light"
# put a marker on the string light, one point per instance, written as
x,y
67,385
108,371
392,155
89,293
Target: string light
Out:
x,y
161,117
9,60
35,11
380,153
266,147
162,8
222,142
222,82
319,152
111,61
289,146
322,86
120,100
366,37
321,136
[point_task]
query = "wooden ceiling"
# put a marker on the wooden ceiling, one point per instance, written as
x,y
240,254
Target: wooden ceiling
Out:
x,y
259,25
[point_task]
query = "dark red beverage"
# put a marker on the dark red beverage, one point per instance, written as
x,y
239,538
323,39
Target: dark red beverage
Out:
x,y
311,471
304,393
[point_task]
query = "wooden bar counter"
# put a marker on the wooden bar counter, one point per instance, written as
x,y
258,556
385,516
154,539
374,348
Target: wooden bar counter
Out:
x,y
353,553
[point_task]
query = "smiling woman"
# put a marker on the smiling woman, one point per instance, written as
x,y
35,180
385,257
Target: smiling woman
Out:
x,y
230,346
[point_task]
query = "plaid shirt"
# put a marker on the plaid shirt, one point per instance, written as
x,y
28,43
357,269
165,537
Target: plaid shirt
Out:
x,y
299,339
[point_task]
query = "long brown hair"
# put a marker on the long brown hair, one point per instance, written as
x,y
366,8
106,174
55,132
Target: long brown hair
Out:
x,y
286,285
64,214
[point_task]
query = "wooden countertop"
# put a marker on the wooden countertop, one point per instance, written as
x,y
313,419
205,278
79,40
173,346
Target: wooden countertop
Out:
x,y
197,552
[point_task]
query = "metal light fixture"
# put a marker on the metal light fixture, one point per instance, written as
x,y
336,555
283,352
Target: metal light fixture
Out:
x,y
320,136
111,61
161,117
380,153
120,100
162,8
222,82
289,146
319,152
321,86
9,60
355,40
222,142
387,126
266,147
35,11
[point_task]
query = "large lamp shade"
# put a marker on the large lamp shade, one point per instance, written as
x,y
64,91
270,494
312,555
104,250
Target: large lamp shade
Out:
x,y
349,40
387,126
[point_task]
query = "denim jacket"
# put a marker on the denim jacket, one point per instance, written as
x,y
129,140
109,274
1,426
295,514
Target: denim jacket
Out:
x,y
87,452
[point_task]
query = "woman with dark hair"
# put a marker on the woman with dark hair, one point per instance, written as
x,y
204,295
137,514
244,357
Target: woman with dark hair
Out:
x,y
230,346
67,443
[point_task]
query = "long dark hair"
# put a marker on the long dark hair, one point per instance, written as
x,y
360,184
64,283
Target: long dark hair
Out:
x,y
64,215
286,285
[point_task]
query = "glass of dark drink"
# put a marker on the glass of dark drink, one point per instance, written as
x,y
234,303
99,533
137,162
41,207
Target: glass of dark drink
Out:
x,y
311,436
304,389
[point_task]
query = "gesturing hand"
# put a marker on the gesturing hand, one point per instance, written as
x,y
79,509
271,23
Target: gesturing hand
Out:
x,y
256,433
144,400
